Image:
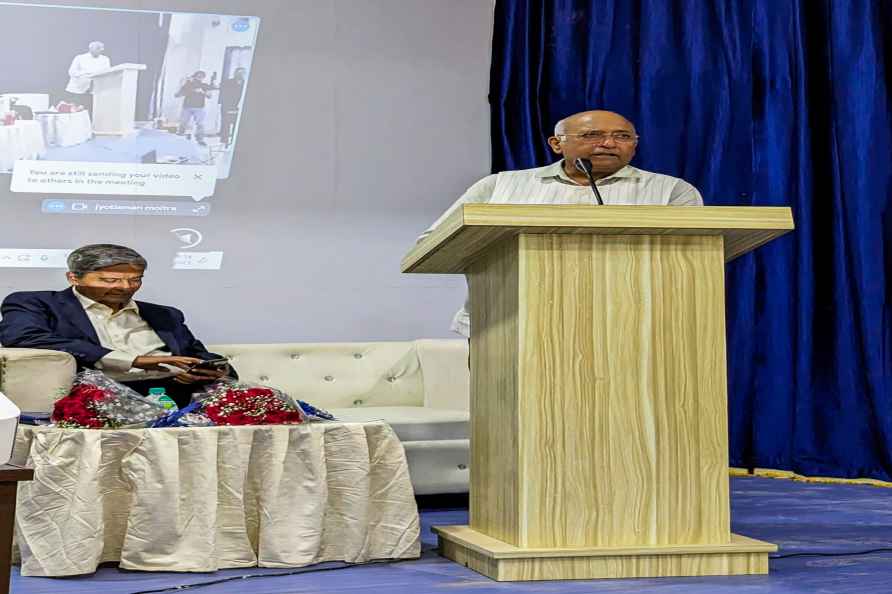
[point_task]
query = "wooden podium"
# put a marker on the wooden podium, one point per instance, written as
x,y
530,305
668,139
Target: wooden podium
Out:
x,y
599,438
114,99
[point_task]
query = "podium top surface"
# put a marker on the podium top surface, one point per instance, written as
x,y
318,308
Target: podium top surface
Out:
x,y
471,229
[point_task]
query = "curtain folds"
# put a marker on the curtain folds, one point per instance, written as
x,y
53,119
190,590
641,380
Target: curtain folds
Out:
x,y
756,102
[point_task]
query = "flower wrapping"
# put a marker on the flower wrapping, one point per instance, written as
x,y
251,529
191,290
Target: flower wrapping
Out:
x,y
228,402
96,401
314,413
188,416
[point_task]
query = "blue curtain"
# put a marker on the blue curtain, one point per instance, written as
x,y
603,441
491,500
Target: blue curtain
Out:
x,y
756,102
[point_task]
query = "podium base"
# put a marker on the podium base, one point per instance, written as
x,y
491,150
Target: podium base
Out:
x,y
506,563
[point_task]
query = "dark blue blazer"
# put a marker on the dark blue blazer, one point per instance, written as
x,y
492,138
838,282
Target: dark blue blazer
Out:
x,y
56,320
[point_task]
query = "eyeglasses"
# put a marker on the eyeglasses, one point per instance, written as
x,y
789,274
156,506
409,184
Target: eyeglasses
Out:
x,y
596,137
127,282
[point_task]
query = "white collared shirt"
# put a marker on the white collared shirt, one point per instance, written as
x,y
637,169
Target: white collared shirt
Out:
x,y
81,69
552,185
128,335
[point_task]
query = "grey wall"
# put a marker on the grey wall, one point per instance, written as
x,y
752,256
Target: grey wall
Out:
x,y
364,120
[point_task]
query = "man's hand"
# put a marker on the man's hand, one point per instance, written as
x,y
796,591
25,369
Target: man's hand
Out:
x,y
190,374
201,375
153,363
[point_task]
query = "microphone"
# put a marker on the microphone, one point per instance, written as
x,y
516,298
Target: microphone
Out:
x,y
585,166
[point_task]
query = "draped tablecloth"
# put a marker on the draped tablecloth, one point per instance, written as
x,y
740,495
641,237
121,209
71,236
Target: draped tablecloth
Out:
x,y
208,498
65,129
22,140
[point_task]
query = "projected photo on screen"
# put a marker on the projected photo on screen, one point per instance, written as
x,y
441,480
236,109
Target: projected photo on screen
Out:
x,y
120,102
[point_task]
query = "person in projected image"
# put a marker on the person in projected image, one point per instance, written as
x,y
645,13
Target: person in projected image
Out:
x,y
231,91
83,67
195,94
97,321
606,141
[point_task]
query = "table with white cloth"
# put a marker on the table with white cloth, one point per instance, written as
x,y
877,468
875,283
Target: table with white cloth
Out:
x,y
65,129
22,140
208,498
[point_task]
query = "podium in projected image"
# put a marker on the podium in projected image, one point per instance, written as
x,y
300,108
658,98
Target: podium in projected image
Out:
x,y
599,437
114,99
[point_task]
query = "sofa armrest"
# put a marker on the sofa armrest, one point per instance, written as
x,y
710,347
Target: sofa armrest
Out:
x,y
34,378
444,367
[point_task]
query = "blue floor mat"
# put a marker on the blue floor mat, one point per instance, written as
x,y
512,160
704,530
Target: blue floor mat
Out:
x,y
799,517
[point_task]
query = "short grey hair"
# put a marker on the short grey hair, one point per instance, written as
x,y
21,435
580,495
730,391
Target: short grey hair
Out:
x,y
96,43
91,258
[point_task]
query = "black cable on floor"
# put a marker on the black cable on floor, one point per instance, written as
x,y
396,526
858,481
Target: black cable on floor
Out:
x,y
867,552
248,576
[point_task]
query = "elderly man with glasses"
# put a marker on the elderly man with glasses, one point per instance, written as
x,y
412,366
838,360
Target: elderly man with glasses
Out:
x,y
96,320
605,140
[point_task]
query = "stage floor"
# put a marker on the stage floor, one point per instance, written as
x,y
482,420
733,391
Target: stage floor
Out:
x,y
799,517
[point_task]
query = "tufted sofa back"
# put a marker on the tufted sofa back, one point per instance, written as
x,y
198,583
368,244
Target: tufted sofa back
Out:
x,y
425,372
357,374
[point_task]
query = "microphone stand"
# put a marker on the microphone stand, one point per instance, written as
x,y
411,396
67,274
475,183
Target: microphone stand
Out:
x,y
585,166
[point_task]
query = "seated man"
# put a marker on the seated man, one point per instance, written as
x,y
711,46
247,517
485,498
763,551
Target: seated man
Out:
x,y
97,321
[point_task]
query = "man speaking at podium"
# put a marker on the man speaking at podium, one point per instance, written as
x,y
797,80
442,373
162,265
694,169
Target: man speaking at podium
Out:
x,y
83,67
596,148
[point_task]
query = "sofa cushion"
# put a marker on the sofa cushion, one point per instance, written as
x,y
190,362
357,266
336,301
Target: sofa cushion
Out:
x,y
333,375
439,466
35,378
412,423
446,375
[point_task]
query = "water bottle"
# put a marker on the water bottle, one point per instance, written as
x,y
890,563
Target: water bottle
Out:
x,y
160,396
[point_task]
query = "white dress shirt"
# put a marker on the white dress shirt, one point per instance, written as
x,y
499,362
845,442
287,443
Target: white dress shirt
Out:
x,y
128,336
552,185
82,66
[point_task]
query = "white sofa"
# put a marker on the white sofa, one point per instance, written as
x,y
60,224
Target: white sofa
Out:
x,y
420,387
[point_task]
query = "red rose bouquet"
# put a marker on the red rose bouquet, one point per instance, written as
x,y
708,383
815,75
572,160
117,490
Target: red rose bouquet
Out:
x,y
228,402
78,408
96,401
